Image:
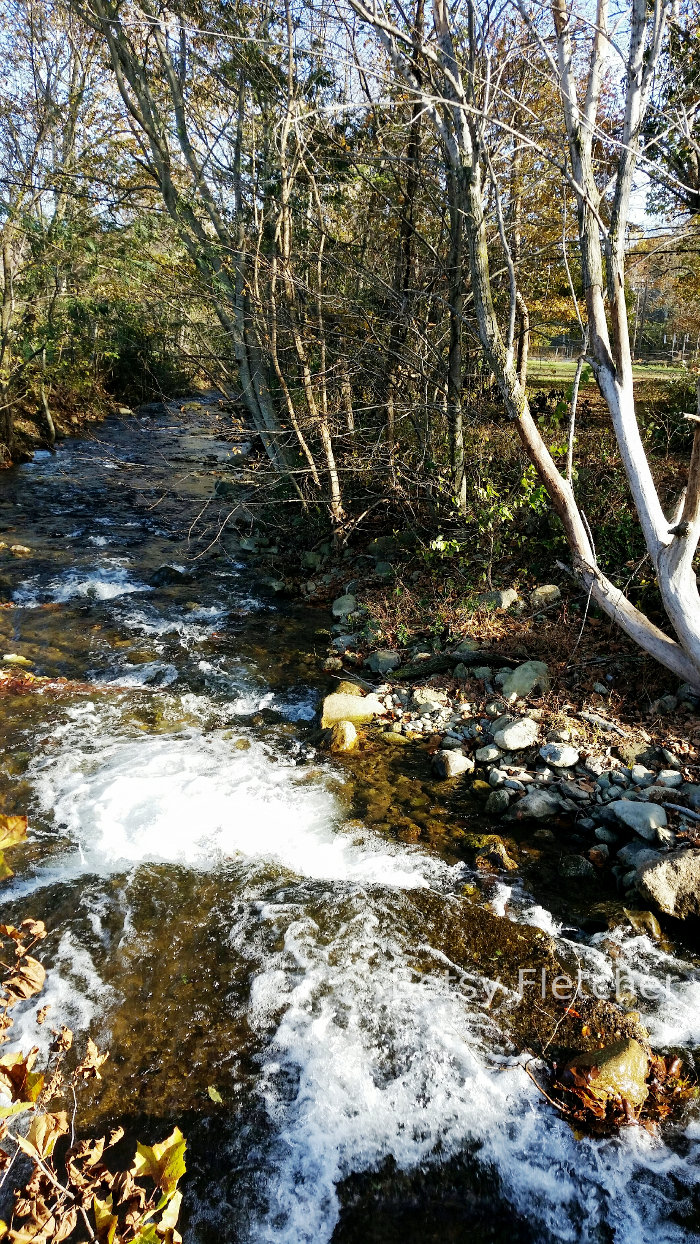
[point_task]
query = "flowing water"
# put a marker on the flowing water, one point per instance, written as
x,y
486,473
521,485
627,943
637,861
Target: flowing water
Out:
x,y
222,918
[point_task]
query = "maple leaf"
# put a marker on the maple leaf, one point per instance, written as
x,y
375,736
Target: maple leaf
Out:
x,y
164,1162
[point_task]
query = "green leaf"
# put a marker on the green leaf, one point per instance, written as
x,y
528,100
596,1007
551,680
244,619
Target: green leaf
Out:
x,y
215,1095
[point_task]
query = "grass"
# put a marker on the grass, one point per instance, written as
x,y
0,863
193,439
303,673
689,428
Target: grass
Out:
x,y
564,369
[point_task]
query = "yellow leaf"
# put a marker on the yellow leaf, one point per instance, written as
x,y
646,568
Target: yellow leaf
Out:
x,y
164,1162
13,658
13,829
15,1108
215,1094
105,1220
170,1214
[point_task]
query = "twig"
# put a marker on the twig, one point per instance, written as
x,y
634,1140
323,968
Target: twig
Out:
x,y
677,807
557,1105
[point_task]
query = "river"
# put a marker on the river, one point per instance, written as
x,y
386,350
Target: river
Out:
x,y
222,919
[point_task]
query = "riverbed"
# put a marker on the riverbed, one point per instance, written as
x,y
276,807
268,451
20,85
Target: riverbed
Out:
x,y
222,917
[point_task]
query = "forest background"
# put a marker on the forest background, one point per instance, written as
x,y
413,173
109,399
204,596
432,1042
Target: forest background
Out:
x,y
279,201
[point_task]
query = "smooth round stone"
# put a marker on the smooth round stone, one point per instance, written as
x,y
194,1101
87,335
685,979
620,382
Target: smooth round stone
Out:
x,y
517,735
561,755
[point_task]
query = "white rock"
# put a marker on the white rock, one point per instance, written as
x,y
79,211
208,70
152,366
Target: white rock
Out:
x,y
560,755
516,735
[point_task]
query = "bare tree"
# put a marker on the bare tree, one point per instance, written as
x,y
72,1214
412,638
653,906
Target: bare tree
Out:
x,y
459,93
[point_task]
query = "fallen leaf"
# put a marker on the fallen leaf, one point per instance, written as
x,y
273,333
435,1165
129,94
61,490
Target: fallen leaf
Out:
x,y
164,1162
43,1134
215,1095
89,1068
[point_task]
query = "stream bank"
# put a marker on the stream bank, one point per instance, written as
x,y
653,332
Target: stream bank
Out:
x,y
230,907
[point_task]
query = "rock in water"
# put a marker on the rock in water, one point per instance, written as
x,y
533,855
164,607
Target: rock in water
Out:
x,y
343,737
354,708
517,735
524,678
644,818
497,802
169,576
618,1070
560,755
673,883
383,661
575,866
538,805
449,764
343,605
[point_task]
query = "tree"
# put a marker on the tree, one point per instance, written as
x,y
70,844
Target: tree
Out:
x,y
596,156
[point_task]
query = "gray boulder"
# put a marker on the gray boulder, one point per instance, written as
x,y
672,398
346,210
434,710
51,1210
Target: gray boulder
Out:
x,y
517,735
343,605
497,802
537,805
524,678
545,595
672,883
497,600
423,698
488,754
643,818
383,661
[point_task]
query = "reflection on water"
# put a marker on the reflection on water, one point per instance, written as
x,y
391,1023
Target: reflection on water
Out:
x,y
220,915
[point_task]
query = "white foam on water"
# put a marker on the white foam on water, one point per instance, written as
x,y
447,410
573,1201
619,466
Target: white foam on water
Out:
x,y
196,625
74,992
148,674
103,582
194,799
384,1065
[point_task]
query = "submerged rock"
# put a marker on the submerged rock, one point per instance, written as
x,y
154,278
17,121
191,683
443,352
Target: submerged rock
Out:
x,y
343,736
672,883
168,576
449,764
357,709
618,1070
576,866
